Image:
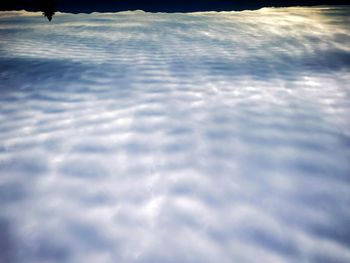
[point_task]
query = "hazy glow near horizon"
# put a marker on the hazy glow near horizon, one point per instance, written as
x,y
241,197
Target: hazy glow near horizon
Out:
x,y
156,138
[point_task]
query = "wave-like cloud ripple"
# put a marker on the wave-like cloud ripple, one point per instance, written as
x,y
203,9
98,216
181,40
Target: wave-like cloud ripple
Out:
x,y
204,137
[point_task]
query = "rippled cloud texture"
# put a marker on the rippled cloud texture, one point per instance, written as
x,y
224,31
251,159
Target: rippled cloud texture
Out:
x,y
158,138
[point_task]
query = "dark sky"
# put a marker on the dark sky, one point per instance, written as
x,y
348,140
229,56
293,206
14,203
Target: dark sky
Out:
x,y
87,6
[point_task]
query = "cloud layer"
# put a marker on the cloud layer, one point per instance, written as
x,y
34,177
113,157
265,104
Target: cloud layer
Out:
x,y
204,137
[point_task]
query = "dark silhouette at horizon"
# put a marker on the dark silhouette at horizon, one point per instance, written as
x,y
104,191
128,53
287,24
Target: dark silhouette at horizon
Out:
x,y
48,8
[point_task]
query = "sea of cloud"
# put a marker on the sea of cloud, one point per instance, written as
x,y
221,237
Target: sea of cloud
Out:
x,y
159,138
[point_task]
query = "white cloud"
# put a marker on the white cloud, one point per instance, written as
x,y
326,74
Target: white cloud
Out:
x,y
204,137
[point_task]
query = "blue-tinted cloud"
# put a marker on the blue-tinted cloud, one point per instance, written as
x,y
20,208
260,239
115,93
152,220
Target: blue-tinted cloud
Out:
x,y
204,137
